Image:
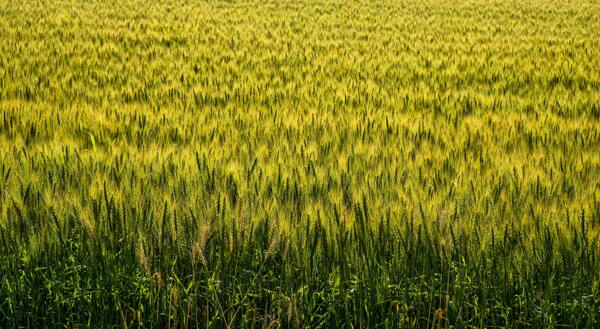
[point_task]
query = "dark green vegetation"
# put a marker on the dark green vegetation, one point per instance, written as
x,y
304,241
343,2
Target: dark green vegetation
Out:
x,y
411,164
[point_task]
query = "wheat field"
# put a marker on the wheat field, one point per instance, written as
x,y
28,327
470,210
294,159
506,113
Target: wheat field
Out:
x,y
286,164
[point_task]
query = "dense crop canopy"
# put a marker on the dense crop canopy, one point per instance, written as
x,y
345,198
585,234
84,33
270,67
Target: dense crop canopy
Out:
x,y
300,163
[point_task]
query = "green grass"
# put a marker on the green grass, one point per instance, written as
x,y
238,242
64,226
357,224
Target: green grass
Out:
x,y
357,164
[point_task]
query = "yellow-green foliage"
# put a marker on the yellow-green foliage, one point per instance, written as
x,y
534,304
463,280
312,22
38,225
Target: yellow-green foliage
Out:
x,y
477,119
